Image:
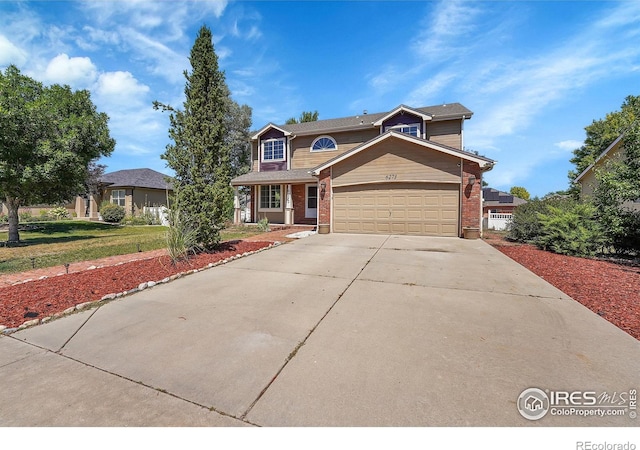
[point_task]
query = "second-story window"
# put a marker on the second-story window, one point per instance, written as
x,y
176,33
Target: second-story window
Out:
x,y
273,150
323,143
412,129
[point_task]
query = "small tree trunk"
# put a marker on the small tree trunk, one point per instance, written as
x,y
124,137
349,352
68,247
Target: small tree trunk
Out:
x,y
13,205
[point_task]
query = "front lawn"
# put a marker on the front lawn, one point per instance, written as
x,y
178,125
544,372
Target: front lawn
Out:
x,y
48,244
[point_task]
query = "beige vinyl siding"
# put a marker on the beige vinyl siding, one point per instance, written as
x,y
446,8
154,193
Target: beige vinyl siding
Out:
x,y
447,132
588,182
397,161
148,197
402,208
255,154
303,157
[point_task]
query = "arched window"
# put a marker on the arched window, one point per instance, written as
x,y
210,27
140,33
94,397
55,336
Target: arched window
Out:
x,y
324,143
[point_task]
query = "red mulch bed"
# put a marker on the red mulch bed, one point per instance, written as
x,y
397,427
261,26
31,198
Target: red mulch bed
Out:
x,y
608,289
43,298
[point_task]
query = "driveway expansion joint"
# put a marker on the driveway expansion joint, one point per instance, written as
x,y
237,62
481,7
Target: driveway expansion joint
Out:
x,y
301,343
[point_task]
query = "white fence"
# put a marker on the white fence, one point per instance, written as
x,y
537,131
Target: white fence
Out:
x,y
161,212
499,221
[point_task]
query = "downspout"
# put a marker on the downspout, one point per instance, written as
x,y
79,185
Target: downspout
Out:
x,y
462,132
461,195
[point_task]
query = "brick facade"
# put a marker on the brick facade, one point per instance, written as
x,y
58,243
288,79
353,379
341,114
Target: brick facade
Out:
x,y
324,207
471,195
298,194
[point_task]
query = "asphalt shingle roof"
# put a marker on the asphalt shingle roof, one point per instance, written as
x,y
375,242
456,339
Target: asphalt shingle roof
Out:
x,y
366,120
494,197
274,177
141,178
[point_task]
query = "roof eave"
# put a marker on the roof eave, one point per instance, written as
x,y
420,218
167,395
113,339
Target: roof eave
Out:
x,y
600,156
266,127
424,116
485,164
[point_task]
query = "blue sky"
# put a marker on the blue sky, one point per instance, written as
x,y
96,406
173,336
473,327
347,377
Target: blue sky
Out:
x,y
534,73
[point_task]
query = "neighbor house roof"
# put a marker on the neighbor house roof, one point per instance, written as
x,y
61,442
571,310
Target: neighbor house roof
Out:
x,y
437,112
484,162
136,178
613,145
275,176
494,197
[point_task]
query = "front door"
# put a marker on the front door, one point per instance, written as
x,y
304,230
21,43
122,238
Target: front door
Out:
x,y
311,201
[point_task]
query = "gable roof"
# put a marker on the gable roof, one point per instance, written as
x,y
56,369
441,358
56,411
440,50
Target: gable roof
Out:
x,y
270,126
402,108
141,178
606,151
484,162
364,121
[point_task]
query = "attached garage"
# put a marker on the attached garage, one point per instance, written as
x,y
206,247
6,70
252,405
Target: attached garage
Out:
x,y
403,208
401,184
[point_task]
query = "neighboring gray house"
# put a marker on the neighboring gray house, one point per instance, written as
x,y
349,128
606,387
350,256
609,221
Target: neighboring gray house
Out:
x,y
133,189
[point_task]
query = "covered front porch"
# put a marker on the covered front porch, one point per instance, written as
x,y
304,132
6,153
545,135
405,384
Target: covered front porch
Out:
x,y
288,197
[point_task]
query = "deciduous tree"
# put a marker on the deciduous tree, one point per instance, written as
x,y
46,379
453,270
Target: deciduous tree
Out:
x,y
49,136
520,192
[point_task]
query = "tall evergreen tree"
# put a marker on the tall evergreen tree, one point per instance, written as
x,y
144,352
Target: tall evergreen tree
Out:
x,y
200,154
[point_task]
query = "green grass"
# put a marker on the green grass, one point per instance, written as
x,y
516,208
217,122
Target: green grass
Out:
x,y
57,243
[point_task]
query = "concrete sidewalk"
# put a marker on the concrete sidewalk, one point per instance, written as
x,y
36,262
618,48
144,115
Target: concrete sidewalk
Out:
x,y
329,330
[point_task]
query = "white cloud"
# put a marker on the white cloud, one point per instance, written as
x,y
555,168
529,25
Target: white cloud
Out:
x,y
426,92
120,86
447,28
10,53
568,145
78,72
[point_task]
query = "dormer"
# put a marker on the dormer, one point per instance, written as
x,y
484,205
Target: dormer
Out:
x,y
405,120
272,148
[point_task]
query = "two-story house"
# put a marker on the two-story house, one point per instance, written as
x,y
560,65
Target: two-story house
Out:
x,y
396,172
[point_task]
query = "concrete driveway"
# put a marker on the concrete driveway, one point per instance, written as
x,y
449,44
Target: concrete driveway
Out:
x,y
330,330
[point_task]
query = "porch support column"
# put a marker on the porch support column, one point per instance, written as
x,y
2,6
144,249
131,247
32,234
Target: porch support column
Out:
x,y
93,206
288,206
237,217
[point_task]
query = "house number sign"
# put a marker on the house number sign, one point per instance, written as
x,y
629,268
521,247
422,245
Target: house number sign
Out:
x,y
391,176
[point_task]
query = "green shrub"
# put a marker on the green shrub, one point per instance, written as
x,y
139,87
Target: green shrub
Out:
x,y
112,213
58,213
525,223
25,216
4,218
134,220
571,229
181,237
625,237
263,225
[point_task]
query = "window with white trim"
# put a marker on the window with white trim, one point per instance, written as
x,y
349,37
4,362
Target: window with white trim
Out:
x,y
273,150
324,143
118,197
413,129
270,198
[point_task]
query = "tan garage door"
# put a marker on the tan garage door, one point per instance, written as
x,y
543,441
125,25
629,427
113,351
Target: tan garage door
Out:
x,y
424,209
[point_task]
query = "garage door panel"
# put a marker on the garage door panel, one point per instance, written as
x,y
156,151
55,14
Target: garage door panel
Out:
x,y
422,209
